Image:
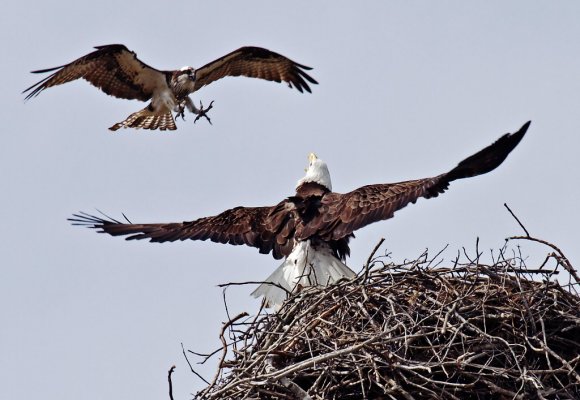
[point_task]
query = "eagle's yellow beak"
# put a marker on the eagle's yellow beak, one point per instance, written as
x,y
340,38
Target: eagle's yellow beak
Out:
x,y
311,158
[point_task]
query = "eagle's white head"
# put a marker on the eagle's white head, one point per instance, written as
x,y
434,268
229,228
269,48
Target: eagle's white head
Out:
x,y
317,171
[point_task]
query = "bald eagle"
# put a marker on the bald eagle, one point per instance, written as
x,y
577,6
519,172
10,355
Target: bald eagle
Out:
x,y
311,229
118,72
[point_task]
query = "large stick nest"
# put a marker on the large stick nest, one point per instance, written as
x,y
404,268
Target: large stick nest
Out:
x,y
415,330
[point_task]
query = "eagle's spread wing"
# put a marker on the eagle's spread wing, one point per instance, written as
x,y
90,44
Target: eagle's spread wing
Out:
x,y
255,62
267,228
342,214
113,68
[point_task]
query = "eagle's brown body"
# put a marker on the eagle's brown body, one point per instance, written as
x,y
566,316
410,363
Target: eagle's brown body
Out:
x,y
315,215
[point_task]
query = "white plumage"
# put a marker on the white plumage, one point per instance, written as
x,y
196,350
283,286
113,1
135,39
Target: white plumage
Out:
x,y
312,228
307,265
317,172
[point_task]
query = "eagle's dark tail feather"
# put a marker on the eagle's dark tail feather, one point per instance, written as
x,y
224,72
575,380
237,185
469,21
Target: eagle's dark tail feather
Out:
x,y
146,119
482,162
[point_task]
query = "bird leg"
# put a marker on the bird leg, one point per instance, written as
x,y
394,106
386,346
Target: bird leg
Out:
x,y
180,110
203,112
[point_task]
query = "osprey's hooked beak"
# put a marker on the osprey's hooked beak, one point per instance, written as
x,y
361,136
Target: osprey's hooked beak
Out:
x,y
191,73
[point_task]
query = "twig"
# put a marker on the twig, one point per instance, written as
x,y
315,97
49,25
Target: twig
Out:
x,y
190,367
560,257
370,258
170,383
254,283
463,330
517,219
225,326
297,390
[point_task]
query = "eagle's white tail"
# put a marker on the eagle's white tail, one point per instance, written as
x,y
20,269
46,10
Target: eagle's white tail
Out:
x,y
305,266
147,119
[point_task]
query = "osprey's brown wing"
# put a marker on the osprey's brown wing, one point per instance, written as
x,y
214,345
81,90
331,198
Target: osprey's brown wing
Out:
x,y
112,68
255,62
342,214
267,228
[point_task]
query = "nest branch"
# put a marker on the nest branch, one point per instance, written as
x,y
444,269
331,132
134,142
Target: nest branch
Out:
x,y
422,329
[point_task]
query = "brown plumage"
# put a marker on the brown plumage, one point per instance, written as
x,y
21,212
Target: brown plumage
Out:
x,y
255,62
118,72
314,213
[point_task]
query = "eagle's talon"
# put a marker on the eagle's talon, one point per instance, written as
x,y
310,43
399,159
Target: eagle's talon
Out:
x,y
203,112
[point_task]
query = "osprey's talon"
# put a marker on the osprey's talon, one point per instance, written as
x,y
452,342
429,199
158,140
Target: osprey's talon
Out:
x,y
181,113
123,69
203,112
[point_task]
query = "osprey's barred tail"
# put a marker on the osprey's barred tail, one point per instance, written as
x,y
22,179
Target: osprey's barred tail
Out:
x,y
146,119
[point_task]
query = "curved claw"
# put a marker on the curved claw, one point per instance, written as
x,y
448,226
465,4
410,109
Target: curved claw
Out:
x,y
181,112
203,112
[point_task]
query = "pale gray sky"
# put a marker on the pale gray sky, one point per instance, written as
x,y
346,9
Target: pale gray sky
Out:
x,y
407,89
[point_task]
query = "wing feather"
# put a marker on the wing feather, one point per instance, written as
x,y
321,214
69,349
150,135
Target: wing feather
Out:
x,y
255,62
112,68
252,226
342,214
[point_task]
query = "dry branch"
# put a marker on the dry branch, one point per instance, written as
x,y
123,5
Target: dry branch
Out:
x,y
416,330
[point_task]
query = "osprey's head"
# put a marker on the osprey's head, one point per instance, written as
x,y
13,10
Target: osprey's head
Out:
x,y
183,82
317,172
186,73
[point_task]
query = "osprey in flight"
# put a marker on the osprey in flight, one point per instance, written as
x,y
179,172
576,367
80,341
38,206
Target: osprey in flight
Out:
x,y
312,228
118,72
